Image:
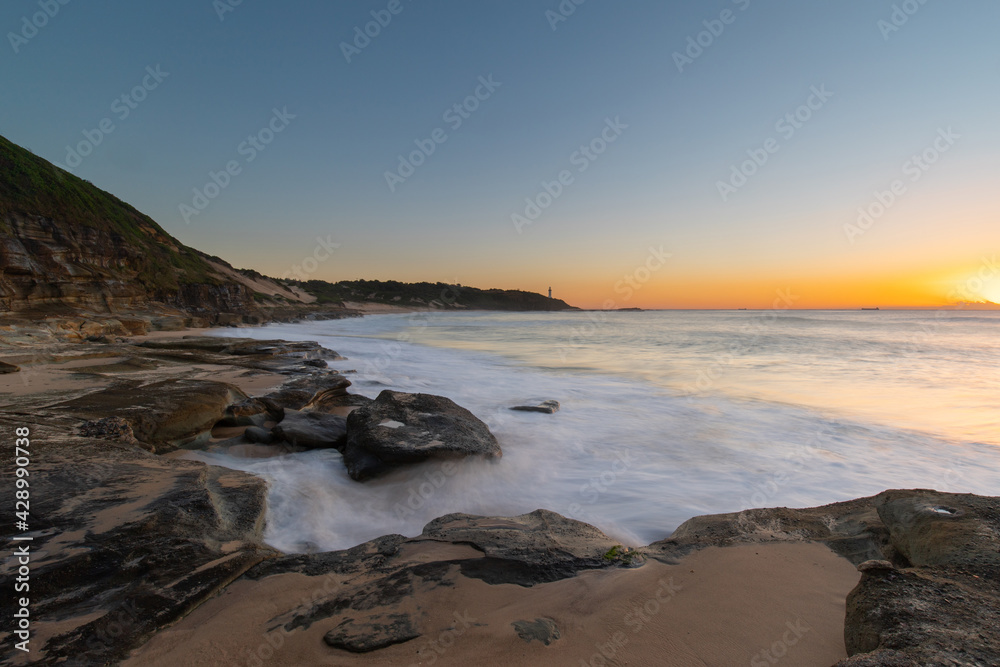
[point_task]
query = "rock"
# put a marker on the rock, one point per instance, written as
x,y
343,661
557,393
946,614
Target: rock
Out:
x,y
8,368
259,435
144,540
921,618
942,606
216,344
166,414
958,532
108,428
252,412
852,529
315,430
548,407
544,630
126,366
398,428
315,363
376,632
242,346
310,391
337,404
275,348
525,550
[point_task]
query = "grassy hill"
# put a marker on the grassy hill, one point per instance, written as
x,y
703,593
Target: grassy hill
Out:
x,y
31,186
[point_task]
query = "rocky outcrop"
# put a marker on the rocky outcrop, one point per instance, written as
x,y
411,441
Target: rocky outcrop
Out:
x,y
399,428
529,549
941,603
851,529
109,428
125,542
163,415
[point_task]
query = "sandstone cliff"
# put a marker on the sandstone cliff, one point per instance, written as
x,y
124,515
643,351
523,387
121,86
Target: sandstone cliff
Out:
x,y
68,247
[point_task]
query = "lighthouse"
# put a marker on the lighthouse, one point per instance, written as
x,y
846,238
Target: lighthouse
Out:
x,y
550,292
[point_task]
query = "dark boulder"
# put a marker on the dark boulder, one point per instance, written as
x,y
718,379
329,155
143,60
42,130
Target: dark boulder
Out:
x,y
315,430
398,429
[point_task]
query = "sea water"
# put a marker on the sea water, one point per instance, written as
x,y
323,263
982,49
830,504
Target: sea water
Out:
x,y
665,416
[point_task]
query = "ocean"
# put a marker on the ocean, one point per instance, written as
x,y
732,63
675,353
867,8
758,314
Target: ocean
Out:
x,y
665,415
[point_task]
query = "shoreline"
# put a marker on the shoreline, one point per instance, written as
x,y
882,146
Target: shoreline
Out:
x,y
588,595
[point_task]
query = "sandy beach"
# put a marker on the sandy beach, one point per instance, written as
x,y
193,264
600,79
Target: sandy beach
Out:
x,y
719,606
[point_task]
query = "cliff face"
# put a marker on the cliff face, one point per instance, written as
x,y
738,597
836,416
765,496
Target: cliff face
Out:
x,y
44,263
67,246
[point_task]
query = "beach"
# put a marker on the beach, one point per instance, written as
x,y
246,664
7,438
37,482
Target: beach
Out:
x,y
250,581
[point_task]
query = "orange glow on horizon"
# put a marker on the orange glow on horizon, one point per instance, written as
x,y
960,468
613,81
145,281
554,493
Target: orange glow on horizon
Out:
x,y
967,286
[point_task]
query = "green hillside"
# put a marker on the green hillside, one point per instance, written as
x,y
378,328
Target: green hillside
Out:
x,y
32,186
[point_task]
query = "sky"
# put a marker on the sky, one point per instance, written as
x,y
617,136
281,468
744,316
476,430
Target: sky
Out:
x,y
650,154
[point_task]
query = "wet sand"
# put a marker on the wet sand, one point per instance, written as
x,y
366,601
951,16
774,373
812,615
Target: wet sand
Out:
x,y
718,606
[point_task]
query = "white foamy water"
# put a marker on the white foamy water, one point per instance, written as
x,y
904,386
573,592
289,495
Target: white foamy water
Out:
x,y
665,415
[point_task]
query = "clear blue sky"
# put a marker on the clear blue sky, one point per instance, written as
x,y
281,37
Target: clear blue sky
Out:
x,y
656,185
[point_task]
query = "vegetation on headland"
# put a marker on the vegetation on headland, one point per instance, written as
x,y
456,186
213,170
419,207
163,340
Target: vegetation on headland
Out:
x,y
433,295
